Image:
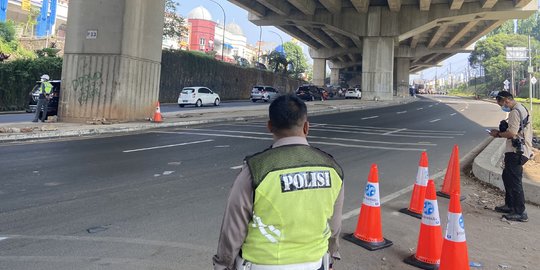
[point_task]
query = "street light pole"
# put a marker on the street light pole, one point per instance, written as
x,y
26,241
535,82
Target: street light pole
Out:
x,y
224,22
282,48
260,40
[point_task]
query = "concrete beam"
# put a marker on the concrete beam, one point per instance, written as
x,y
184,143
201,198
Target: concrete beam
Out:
x,y
343,64
318,35
332,53
253,6
482,33
461,33
521,3
414,41
425,5
305,6
341,40
278,6
296,33
456,4
361,6
430,59
488,3
334,6
394,5
438,34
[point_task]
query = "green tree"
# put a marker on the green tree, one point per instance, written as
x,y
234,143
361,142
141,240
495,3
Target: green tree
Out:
x,y
173,26
505,28
7,31
527,26
295,56
278,61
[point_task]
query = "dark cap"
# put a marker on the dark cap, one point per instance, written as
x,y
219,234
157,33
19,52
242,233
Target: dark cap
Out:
x,y
503,94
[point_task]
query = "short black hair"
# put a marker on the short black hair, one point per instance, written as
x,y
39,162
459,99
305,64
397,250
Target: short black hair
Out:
x,y
504,94
286,112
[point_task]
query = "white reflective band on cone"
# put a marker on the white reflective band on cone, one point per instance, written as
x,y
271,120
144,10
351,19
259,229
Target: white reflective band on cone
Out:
x,y
422,176
371,195
455,229
430,214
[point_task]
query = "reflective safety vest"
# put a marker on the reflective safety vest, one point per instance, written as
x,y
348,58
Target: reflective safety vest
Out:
x,y
295,189
48,88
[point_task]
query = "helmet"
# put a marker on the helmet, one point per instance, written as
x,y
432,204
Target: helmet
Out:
x,y
45,77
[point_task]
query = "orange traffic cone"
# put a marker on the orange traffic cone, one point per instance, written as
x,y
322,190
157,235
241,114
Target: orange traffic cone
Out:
x,y
368,232
157,114
445,190
452,177
419,192
428,251
454,250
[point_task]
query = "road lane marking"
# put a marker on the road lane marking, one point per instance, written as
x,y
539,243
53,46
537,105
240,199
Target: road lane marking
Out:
x,y
325,138
371,117
3,238
401,112
311,142
237,167
430,106
452,114
389,197
419,109
435,120
395,131
165,146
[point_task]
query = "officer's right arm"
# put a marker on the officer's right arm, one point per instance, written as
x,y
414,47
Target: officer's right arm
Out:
x,y
335,225
238,213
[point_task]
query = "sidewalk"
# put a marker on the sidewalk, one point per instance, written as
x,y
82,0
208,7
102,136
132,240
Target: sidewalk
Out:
x,y
30,131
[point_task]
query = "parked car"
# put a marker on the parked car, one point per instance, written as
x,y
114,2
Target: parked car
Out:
x,y
353,93
493,93
33,97
309,93
198,96
264,93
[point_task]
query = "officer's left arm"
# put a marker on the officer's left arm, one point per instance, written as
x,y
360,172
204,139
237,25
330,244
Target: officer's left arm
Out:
x,y
335,226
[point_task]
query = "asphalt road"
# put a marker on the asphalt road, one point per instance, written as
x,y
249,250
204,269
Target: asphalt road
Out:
x,y
155,200
27,117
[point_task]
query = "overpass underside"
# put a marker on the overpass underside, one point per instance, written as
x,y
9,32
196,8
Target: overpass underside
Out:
x,y
378,43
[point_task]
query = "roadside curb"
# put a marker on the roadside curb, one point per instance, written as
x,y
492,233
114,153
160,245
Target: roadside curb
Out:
x,y
487,168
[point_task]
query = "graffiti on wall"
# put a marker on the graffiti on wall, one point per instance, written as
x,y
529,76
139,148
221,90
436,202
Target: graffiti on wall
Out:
x,y
87,87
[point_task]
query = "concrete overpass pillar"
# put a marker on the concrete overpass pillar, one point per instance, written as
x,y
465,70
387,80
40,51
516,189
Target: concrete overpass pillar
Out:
x,y
334,76
319,71
401,76
378,68
112,60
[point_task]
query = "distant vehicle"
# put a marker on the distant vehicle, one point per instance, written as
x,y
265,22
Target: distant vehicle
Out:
x,y
264,93
353,93
52,109
309,93
198,96
493,93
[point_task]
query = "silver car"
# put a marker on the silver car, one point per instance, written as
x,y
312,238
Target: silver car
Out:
x,y
264,93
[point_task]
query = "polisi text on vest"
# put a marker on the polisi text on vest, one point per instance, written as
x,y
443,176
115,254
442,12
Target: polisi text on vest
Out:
x,y
305,180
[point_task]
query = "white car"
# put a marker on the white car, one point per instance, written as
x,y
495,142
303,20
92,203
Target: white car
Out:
x,y
198,96
353,93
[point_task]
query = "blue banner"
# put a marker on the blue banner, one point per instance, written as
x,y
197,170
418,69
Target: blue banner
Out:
x,y
41,29
3,10
52,18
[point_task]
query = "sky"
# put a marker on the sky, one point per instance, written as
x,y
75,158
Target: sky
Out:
x,y
239,16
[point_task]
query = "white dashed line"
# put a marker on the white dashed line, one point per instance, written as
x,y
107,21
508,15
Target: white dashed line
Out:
x,y
165,146
236,167
419,109
433,121
401,112
371,117
430,106
395,131
3,238
452,114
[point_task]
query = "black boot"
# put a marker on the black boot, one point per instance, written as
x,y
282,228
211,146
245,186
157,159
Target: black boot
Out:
x,y
503,209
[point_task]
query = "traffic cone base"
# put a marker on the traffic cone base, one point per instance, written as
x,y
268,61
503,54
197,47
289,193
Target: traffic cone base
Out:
x,y
371,246
412,260
406,211
444,195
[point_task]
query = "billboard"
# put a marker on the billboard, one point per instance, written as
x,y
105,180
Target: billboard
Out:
x,y
516,54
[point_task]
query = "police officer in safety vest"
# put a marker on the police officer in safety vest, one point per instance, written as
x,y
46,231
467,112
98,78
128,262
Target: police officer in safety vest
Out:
x,y
284,208
44,97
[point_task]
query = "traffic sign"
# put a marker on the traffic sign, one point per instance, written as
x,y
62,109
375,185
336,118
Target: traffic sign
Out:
x,y
533,80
